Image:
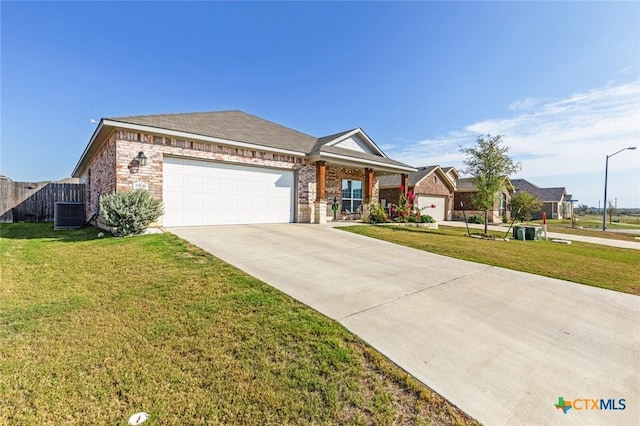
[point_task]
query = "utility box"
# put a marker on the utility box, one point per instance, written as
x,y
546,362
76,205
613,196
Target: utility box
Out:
x,y
68,215
527,233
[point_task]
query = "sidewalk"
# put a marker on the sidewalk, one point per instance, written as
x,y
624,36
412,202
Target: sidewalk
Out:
x,y
553,235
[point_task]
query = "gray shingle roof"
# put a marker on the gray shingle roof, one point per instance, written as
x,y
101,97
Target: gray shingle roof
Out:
x,y
465,185
242,127
468,185
359,155
544,194
393,181
231,125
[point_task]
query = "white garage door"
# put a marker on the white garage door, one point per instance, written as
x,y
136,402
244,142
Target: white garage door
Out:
x,y
208,193
438,212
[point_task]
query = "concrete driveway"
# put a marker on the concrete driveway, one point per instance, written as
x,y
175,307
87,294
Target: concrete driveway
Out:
x,y
501,345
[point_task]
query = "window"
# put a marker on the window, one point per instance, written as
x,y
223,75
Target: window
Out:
x,y
351,195
503,204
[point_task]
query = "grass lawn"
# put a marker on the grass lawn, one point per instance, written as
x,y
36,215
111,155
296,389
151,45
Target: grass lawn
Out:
x,y
95,330
591,227
600,266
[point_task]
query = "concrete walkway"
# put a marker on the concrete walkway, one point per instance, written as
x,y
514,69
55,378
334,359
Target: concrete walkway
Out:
x,y
501,345
553,235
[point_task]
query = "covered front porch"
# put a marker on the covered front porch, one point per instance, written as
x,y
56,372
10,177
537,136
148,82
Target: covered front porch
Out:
x,y
342,191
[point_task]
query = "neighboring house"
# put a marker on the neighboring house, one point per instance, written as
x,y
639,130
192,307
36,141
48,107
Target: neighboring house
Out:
x,y
463,201
452,173
554,200
231,167
432,186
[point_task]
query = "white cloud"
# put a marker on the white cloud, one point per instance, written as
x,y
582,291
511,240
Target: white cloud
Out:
x,y
552,137
625,70
525,104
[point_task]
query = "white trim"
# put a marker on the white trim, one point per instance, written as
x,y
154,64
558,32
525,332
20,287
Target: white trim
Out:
x,y
196,136
365,161
364,136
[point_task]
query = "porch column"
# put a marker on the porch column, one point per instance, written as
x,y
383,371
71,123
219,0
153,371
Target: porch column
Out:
x,y
321,178
404,181
320,205
368,185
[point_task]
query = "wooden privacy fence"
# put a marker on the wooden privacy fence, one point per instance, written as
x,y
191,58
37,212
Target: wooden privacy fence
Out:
x,y
35,201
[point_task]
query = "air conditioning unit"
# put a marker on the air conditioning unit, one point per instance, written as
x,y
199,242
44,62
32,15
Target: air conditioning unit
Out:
x,y
68,215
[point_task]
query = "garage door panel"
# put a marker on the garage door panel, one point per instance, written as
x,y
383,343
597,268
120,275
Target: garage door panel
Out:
x,y
209,193
438,212
193,183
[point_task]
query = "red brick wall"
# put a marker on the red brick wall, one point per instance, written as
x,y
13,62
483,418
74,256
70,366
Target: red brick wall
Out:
x,y
100,175
391,195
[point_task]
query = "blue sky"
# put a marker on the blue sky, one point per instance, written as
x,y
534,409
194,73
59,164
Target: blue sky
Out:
x,y
561,81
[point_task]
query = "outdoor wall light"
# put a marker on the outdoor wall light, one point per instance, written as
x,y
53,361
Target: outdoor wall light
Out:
x,y
142,159
137,162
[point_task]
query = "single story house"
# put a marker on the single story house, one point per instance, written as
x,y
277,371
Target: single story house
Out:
x,y
230,167
463,201
431,185
554,200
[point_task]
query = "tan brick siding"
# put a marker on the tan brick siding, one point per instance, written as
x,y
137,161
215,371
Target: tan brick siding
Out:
x,y
111,169
433,184
155,147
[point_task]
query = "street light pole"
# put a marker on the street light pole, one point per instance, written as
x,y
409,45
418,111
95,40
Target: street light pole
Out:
x,y
606,172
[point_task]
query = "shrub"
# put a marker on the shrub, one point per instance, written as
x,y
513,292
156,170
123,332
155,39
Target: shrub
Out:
x,y
130,212
405,210
377,214
476,219
425,218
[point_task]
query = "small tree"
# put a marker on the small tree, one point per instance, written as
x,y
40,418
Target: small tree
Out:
x,y
524,204
489,166
564,212
130,212
582,209
611,210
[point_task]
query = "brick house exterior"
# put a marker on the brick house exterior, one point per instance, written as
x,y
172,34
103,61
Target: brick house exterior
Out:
x,y
463,201
431,184
555,201
319,166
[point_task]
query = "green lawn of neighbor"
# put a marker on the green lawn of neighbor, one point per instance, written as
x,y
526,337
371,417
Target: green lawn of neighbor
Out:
x,y
93,330
591,226
596,265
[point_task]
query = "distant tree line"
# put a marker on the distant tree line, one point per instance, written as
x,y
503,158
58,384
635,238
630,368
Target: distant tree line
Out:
x,y
585,209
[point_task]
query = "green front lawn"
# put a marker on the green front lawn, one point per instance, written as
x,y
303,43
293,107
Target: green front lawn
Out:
x,y
599,266
94,330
